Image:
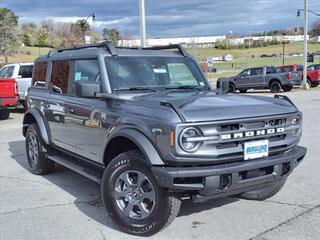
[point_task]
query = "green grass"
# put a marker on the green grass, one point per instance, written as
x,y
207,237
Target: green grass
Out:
x,y
243,57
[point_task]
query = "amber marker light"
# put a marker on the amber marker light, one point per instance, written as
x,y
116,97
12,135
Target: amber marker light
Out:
x,y
171,138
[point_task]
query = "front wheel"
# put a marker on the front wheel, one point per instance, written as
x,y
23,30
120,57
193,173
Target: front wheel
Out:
x,y
275,87
314,84
232,88
133,198
265,192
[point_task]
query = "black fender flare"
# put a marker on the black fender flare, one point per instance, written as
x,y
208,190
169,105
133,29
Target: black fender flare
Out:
x,y
144,144
43,128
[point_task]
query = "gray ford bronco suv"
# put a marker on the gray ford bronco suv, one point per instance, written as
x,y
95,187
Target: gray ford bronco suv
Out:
x,y
146,125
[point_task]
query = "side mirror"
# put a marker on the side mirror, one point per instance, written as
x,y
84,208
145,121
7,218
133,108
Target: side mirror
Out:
x,y
222,86
86,89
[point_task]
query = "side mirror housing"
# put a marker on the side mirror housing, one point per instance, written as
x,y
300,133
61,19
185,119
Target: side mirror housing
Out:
x,y
86,89
222,86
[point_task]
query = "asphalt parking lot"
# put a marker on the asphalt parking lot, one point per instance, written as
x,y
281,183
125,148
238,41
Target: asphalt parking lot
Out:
x,y
65,205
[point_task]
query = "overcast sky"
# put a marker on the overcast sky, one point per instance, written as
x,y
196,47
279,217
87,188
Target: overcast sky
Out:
x,y
173,18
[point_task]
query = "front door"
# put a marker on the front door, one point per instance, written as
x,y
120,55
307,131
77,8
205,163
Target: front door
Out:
x,y
83,130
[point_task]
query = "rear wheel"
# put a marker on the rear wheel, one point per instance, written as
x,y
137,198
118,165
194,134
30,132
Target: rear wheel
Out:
x,y
287,88
4,113
133,198
265,192
38,163
275,87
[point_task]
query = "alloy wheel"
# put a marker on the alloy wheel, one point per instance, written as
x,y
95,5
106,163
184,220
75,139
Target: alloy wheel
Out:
x,y
134,195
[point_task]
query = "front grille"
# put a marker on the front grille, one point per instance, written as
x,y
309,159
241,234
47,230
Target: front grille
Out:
x,y
225,140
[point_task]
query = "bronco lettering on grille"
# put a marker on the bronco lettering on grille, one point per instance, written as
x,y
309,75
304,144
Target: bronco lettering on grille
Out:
x,y
252,133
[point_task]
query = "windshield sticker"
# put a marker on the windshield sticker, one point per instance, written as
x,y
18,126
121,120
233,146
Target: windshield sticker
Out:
x,y
160,70
77,76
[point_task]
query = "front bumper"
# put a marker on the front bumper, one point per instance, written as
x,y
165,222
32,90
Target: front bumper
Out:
x,y
229,179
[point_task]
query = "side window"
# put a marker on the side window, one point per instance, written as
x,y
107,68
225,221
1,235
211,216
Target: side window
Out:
x,y
7,72
256,71
317,67
271,70
60,76
40,73
85,70
300,68
179,74
25,71
3,72
246,73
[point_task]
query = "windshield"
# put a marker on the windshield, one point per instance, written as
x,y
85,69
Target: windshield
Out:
x,y
155,73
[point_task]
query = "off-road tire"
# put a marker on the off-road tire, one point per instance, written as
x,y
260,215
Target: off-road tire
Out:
x,y
275,87
265,192
39,165
4,114
166,206
287,88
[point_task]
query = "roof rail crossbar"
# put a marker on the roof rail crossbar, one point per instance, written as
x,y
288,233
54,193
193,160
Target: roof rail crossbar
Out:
x,y
107,44
179,47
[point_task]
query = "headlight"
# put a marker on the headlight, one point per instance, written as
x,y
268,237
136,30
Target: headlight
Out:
x,y
188,139
297,120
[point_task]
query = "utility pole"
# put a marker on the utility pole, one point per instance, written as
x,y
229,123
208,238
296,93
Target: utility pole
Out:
x,y
143,34
305,84
283,50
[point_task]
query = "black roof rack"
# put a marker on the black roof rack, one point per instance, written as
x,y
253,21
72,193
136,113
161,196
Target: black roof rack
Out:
x,y
113,50
179,47
106,44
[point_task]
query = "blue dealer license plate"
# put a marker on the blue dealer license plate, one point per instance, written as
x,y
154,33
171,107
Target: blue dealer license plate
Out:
x,y
256,149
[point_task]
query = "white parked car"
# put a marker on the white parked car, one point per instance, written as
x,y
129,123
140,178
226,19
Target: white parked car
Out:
x,y
22,72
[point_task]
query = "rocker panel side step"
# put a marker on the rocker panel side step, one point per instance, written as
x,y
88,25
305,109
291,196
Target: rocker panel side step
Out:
x,y
81,167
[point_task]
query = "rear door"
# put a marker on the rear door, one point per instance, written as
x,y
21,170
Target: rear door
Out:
x,y
54,105
83,128
24,79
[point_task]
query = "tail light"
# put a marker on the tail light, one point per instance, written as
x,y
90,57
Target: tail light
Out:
x,y
16,89
288,75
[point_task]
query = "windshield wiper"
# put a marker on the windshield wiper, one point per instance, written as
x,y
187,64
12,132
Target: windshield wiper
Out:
x,y
185,87
137,89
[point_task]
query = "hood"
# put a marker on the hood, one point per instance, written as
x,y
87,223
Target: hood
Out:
x,y
209,106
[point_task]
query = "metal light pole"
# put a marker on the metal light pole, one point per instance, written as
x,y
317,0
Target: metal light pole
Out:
x,y
143,34
305,84
306,10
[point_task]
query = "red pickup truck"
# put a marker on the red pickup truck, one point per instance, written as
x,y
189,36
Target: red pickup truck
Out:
x,y
296,70
8,96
